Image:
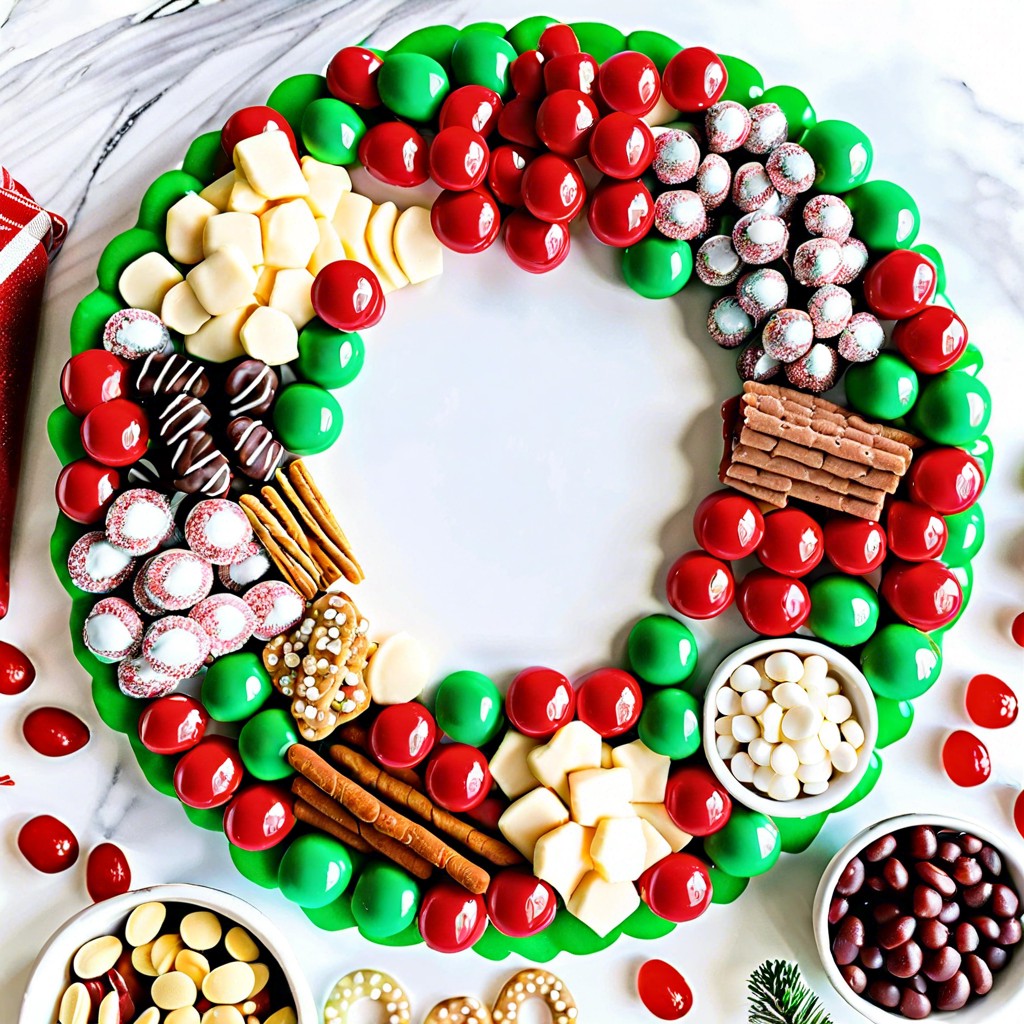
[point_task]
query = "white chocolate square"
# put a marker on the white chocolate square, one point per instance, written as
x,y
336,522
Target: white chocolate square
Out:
x,y
186,220
619,849
562,857
666,827
328,250
597,793
649,770
239,229
224,281
573,747
526,820
145,281
182,311
269,165
219,192
509,766
217,341
350,220
289,234
418,250
270,335
265,277
655,844
379,232
603,905
245,199
327,182
291,294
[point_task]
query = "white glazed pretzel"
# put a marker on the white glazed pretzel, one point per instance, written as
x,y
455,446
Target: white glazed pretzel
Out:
x,y
365,984
534,983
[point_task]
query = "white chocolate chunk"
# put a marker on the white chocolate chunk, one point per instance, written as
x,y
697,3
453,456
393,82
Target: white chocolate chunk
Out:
x,y
619,849
327,183
219,192
145,281
328,249
270,335
398,670
289,234
817,695
528,818
753,702
223,281
727,747
815,669
561,857
763,776
350,220
838,709
815,788
573,747
723,725
379,232
245,199
745,728
844,758
784,760
238,229
217,341
745,678
182,311
655,844
743,767
291,294
819,772
853,733
417,249
658,817
828,735
265,277
186,220
728,701
783,787
597,793
784,667
790,695
801,723
603,905
509,766
648,769
832,685
810,750
771,722
269,165
760,751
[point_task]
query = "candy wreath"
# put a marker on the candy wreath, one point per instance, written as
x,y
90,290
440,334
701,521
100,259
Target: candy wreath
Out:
x,y
185,316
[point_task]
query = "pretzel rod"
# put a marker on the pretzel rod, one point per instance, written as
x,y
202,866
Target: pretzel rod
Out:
x,y
293,573
369,774
366,807
309,815
356,735
312,499
279,532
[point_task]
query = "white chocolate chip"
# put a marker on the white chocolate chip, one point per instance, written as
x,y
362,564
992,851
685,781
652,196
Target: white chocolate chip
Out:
x,y
783,667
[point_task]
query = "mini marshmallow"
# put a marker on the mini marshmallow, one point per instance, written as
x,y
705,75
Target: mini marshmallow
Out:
x,y
790,695
760,751
853,733
186,220
745,678
245,199
291,293
727,747
839,708
763,776
327,184
771,722
727,701
217,194
218,340
784,760
723,725
753,702
743,768
820,771
745,728
802,722
828,735
223,281
810,750
181,311
783,787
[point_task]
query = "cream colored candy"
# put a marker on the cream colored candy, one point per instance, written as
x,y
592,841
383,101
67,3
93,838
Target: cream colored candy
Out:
x,y
661,113
655,844
265,277
573,747
350,220
194,964
173,990
727,747
606,756
398,670
218,192
186,220
509,766
222,1015
144,923
723,725
109,1011
743,767
658,817
230,983
327,184
784,760
201,930
97,956
241,230
829,736
783,787
269,334
810,750
597,793
262,975
240,946
816,694
145,281
223,281
269,165
745,728
838,709
562,857
603,905
763,776
790,695
753,702
745,678
328,249
853,733
844,758
217,341
290,234
815,788
771,722
245,199
183,1015
181,310
164,951
619,849
815,669
820,771
417,249
728,701
525,820
648,769
832,685
801,723
75,1005
291,293
379,240
286,1015
142,960
151,1015
760,751
783,667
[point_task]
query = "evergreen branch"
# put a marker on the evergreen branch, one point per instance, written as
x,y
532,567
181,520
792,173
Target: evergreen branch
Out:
x,y
779,995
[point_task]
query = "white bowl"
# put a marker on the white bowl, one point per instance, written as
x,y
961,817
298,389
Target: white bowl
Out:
x,y
51,971
1008,984
855,687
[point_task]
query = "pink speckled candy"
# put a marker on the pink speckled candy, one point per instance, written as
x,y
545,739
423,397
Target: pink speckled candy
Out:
x,y
727,125
97,566
862,338
139,520
134,333
755,364
817,261
762,291
714,179
278,608
176,646
768,128
728,324
177,579
680,214
676,156
830,309
855,259
791,169
760,238
217,529
816,371
139,595
751,187
828,217
137,678
112,630
717,262
788,334
227,620
250,567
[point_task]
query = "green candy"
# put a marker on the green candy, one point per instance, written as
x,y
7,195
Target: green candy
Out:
x,y
467,707
294,94
385,900
64,430
885,214
866,784
656,267
895,717
203,157
749,844
931,253
954,408
982,450
965,533
89,319
662,650
331,131
900,662
793,102
644,923
261,867
796,834
971,361
670,723
335,917
235,686
883,389
744,83
117,710
307,419
572,935
162,195
601,41
210,818
435,42
314,870
480,57
525,35
412,85
157,768
494,28
844,610
329,357
121,250
725,888
965,577
263,744
842,152
659,47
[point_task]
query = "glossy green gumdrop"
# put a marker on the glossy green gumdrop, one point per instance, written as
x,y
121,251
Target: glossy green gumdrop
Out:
x,y
89,319
971,361
261,867
210,818
434,41
385,900
883,389
307,419
329,357
965,533
745,83
670,723
331,130
965,577
931,253
601,41
842,152
983,451
900,662
121,250
161,195
867,783
204,157
844,610
482,58
662,650
467,707
657,267
495,28
885,214
793,102
749,844
412,86
314,870
294,94
263,744
335,917
157,768
954,408
656,45
64,431
525,35
895,717
117,710
236,686
796,834
725,888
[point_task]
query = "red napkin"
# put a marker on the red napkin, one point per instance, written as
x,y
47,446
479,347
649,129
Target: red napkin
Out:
x,y
30,238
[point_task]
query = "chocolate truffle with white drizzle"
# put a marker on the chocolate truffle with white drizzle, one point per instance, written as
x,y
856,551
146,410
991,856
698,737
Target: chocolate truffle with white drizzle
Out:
x,y
251,388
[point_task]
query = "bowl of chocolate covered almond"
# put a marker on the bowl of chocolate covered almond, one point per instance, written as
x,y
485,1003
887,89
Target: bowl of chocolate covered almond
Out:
x,y
920,916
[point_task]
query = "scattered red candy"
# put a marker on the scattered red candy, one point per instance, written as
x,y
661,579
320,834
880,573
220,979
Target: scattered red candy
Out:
x,y
85,489
526,74
565,120
403,735
209,774
48,844
900,284
17,673
505,173
609,701
621,146
914,533
249,121
629,82
54,732
946,480
965,759
92,377
932,340
923,594
465,221
259,816
457,777
348,296
990,702
458,158
677,887
699,586
553,188
728,525
694,79
395,153
451,919
533,245
1018,812
1017,630
352,76
576,71
663,990
107,872
540,701
558,40
793,543
520,904
115,433
772,604
853,545
517,122
696,802
471,106
620,212
172,724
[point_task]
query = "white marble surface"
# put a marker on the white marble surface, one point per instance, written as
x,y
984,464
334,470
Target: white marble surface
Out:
x,y
518,469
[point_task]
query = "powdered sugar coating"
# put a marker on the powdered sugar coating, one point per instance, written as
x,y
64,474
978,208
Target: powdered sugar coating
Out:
x,y
855,259
862,338
714,179
728,323
251,565
762,291
817,261
137,678
97,566
727,125
227,620
278,607
760,237
680,214
134,333
830,309
112,630
217,529
717,263
176,646
751,187
768,128
788,335
829,217
676,156
755,364
816,371
139,520
177,579
791,169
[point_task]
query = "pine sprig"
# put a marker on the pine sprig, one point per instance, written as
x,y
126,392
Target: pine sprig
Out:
x,y
779,995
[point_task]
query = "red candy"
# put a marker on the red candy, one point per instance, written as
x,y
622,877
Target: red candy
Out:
x,y
457,777
352,76
899,285
172,724
728,525
540,701
577,71
1018,812
249,121
609,701
629,82
793,543
558,40
526,74
209,774
677,888
914,532
48,844
517,122
553,188
519,904
663,990
621,146
451,919
17,673
471,106
403,735
946,480
620,212
965,759
565,120
699,586
533,245
54,732
465,221
696,802
92,377
458,158
1017,630
107,872
855,546
395,153
348,296
932,340
115,433
923,594
694,79
772,604
990,702
85,489
259,817
505,173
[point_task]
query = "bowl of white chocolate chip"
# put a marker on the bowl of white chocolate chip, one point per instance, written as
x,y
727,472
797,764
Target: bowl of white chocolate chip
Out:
x,y
789,726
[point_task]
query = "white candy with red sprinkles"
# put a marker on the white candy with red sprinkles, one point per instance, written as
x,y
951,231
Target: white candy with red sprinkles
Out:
x,y
855,259
830,309
227,620
728,323
139,595
755,364
752,189
680,214
139,520
727,125
817,261
112,630
768,128
791,169
177,579
717,263
252,565
137,678
762,291
713,181
760,237
676,156
176,646
217,529
97,566
862,338
829,217
134,333
788,335
278,608
816,371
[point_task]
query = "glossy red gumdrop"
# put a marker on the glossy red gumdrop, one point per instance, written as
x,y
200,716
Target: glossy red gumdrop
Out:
x,y
458,158
621,146
793,543
91,378
526,75
923,594
209,774
540,701
677,887
352,76
629,82
115,433
965,759
54,732
172,724
395,153
517,122
914,533
505,174
558,40
466,222
553,188
259,816
565,120
663,990
728,525
576,71
471,106
694,79
990,702
48,844
450,918
853,545
609,701
85,489
772,604
1017,629
696,801
107,872
458,777
17,673
900,284
402,735
348,296
520,904
620,212
946,480
932,340
1018,812
533,245
699,586
249,121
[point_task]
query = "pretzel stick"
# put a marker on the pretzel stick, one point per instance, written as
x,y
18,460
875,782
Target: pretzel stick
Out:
x,y
293,573
308,814
366,772
366,807
279,529
312,498
356,735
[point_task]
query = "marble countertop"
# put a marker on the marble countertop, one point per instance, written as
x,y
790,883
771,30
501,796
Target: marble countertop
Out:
x,y
518,468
